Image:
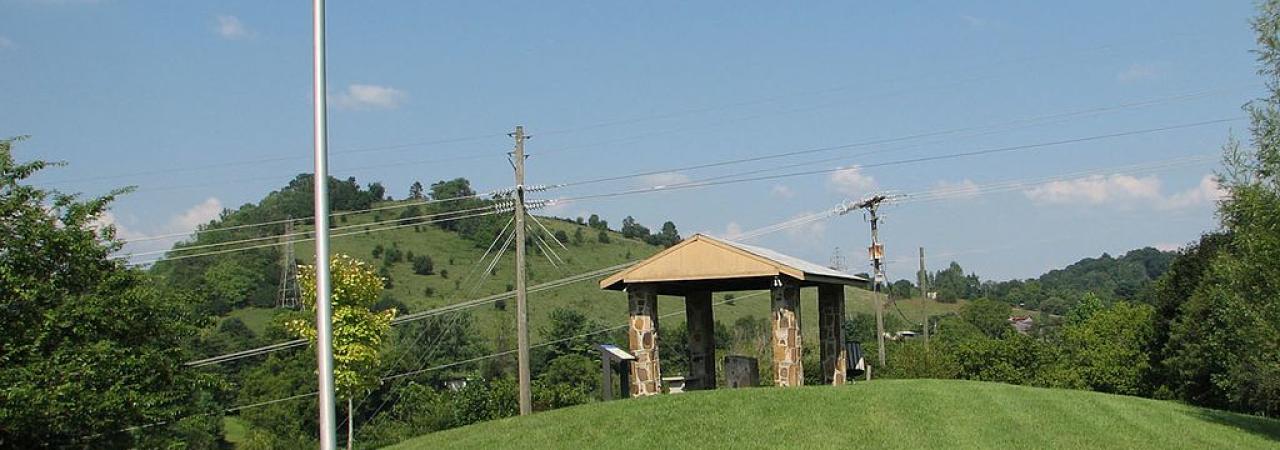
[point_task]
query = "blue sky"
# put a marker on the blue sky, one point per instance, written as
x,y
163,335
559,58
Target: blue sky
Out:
x,y
205,105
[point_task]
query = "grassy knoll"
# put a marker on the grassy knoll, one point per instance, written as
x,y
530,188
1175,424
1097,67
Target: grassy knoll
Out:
x,y
906,414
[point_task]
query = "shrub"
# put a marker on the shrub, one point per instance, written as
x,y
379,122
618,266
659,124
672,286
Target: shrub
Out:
x,y
422,265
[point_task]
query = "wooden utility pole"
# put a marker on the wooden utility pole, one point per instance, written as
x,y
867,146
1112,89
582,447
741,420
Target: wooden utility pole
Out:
x,y
522,311
876,251
877,257
922,280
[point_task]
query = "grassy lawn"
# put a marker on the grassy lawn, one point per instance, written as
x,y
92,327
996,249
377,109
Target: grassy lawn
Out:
x,y
256,319
234,430
906,414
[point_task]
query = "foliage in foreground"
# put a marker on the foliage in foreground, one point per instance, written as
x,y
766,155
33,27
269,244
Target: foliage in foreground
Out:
x,y
89,347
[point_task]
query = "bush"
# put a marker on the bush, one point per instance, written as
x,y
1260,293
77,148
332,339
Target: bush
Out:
x,y
385,274
602,237
422,265
392,255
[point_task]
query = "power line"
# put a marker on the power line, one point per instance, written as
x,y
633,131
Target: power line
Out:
x,y
336,214
273,244
1007,149
873,142
951,80
994,127
291,234
416,316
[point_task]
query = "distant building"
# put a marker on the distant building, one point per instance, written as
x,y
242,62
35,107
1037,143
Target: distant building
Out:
x,y
1022,323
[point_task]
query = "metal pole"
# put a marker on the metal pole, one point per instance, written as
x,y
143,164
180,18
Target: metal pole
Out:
x,y
324,321
522,312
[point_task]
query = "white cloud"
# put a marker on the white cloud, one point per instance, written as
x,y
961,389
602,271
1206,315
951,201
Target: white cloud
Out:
x,y
1137,72
1124,190
368,96
851,181
1208,191
6,43
200,214
663,179
782,191
184,222
963,189
230,27
732,230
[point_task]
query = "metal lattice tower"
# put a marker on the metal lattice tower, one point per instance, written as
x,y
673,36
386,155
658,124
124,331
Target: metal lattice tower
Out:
x,y
838,262
287,296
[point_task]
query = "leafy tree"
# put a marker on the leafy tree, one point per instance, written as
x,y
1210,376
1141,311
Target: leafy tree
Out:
x,y
990,316
602,237
415,191
377,192
568,380
578,238
668,237
632,229
1224,347
596,223
229,285
1089,305
90,347
570,330
1109,347
561,236
952,284
455,188
358,331
902,289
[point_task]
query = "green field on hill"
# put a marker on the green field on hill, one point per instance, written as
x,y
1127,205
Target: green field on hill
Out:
x,y
458,278
896,414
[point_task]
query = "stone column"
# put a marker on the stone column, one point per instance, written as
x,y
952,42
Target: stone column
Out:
x,y
831,332
702,341
642,333
787,368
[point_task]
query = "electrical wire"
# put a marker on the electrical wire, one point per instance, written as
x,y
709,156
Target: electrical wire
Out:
x,y
274,244
336,214
996,150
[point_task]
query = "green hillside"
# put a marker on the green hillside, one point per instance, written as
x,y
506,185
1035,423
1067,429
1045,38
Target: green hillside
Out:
x,y
456,266
907,414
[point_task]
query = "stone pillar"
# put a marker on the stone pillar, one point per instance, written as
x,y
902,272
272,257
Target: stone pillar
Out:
x,y
787,367
831,333
702,341
642,334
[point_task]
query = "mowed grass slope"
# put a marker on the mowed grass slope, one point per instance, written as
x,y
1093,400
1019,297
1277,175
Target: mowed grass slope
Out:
x,y
895,414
